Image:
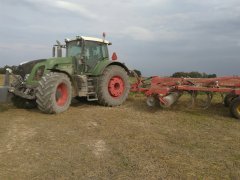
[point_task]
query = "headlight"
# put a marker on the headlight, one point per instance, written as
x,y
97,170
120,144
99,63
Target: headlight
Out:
x,y
39,73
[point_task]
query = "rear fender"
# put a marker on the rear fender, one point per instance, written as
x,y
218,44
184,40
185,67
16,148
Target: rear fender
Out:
x,y
98,70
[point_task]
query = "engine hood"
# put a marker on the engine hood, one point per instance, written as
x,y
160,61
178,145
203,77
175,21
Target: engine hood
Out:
x,y
26,67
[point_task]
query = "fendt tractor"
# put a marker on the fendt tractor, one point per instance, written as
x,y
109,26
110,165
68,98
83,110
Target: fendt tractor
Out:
x,y
85,72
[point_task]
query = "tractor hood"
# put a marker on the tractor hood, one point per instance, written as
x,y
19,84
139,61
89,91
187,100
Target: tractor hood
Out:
x,y
26,67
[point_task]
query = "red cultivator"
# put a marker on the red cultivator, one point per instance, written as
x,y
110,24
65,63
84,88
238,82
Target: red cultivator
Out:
x,y
166,91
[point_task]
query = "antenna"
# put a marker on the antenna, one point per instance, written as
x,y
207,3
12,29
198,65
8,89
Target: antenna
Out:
x,y
104,35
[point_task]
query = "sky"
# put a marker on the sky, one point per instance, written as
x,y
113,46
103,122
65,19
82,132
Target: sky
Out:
x,y
157,37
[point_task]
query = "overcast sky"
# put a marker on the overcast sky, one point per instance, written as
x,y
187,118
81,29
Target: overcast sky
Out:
x,y
158,37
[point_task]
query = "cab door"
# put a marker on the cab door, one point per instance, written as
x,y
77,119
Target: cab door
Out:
x,y
75,49
94,52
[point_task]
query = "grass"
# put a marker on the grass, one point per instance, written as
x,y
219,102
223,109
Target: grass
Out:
x,y
127,142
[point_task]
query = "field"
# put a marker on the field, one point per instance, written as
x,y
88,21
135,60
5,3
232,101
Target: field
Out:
x,y
127,142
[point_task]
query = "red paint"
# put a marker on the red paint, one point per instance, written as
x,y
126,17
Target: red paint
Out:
x,y
62,93
116,86
162,86
114,56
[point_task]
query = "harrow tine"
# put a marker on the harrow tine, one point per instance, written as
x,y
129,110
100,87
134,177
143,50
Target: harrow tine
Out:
x,y
209,100
194,101
193,98
223,95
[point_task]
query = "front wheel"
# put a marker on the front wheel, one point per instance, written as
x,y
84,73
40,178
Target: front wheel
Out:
x,y
113,86
54,93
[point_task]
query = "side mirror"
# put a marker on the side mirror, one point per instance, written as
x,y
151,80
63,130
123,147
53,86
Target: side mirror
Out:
x,y
53,51
114,56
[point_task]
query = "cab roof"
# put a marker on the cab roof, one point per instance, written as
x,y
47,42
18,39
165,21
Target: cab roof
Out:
x,y
86,38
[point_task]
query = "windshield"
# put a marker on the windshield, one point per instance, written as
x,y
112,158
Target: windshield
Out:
x,y
74,48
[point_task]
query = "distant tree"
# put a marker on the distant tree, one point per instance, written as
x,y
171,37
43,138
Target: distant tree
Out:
x,y
212,75
193,74
204,75
3,69
137,72
180,74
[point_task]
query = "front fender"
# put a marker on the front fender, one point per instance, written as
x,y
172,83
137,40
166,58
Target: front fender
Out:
x,y
52,64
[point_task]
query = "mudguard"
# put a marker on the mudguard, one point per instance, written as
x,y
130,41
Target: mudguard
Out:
x,y
100,67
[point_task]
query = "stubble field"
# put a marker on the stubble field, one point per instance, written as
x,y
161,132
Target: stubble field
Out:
x,y
128,142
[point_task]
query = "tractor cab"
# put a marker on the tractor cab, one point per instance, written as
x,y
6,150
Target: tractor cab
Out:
x,y
87,50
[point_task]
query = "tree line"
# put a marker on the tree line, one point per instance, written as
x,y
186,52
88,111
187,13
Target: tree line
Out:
x,y
193,74
3,69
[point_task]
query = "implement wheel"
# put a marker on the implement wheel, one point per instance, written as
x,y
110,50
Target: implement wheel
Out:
x,y
113,86
235,107
228,99
152,101
54,93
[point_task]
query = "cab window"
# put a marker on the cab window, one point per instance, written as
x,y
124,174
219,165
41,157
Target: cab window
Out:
x,y
94,52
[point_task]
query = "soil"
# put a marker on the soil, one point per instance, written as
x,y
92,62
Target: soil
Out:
x,y
131,141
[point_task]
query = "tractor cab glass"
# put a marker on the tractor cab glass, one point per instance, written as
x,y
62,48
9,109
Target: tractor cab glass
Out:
x,y
74,48
94,52
90,53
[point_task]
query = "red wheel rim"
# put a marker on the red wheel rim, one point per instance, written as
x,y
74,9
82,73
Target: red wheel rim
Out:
x,y
61,94
116,86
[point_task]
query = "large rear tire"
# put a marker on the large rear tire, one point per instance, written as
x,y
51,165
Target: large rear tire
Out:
x,y
113,86
54,93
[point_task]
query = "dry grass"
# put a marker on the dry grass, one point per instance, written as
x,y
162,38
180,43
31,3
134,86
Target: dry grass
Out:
x,y
127,142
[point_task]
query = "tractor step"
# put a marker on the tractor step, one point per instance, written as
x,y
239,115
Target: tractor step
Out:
x,y
92,96
87,88
90,87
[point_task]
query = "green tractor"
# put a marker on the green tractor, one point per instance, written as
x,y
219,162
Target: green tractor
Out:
x,y
85,72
